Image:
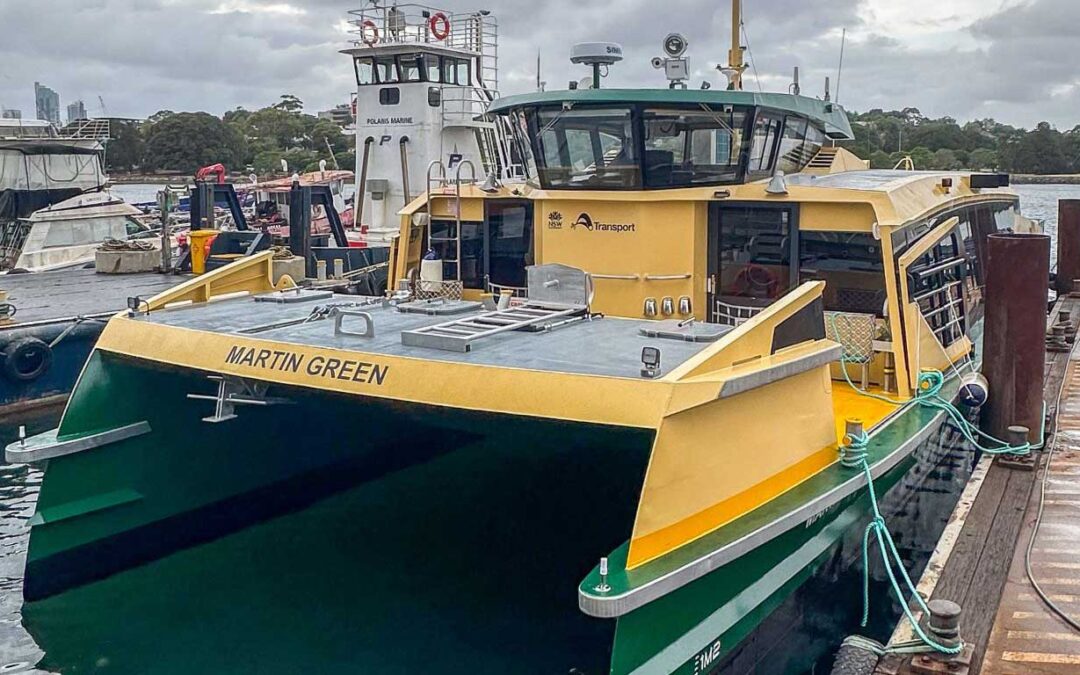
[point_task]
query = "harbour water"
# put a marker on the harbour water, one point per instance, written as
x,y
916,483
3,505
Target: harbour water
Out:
x,y
294,594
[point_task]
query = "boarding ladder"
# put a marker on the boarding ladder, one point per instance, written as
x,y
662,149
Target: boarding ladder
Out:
x,y
440,182
460,334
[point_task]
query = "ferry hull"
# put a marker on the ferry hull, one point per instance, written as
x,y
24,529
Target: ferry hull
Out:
x,y
186,481
723,622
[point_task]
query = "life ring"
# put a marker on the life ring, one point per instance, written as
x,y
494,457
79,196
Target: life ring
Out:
x,y
755,278
439,26
25,359
369,33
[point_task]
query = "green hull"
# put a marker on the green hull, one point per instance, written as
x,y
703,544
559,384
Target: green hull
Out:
x,y
570,491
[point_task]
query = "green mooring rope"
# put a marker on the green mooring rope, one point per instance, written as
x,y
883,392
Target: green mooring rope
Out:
x,y
854,454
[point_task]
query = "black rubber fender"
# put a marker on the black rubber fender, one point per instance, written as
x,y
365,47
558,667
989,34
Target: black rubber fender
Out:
x,y
25,359
853,659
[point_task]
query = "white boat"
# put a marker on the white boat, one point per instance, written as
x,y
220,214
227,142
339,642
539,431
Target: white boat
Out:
x,y
41,166
68,233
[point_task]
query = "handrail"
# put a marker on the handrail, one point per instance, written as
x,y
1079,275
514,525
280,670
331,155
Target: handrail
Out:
x,y
361,188
403,144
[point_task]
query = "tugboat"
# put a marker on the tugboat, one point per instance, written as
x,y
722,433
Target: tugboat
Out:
x,y
650,352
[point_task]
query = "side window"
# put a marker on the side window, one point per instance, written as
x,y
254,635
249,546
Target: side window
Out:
x,y
793,146
434,97
463,72
389,96
449,70
766,130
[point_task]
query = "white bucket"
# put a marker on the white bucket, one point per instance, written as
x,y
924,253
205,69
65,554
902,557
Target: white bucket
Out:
x,y
431,275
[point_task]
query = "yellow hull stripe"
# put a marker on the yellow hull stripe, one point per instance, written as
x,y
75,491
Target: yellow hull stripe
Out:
x,y
652,546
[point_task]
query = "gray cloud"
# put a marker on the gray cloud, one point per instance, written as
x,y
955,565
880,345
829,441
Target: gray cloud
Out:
x,y
1016,65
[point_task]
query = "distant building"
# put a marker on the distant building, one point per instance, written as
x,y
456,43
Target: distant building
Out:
x,y
341,115
76,111
10,114
48,103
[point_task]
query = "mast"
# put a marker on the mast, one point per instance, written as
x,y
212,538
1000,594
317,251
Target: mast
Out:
x,y
736,66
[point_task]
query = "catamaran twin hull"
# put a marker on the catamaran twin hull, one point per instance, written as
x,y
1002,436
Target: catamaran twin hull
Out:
x,y
711,486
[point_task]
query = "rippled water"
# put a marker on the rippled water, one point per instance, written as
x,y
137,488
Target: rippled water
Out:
x,y
282,596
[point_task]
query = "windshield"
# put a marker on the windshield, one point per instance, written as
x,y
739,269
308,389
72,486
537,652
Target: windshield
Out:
x,y
691,147
589,148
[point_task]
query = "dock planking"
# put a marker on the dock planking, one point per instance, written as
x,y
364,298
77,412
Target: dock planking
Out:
x,y
1003,621
63,294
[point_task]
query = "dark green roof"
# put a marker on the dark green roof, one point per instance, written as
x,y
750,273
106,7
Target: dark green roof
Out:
x,y
830,115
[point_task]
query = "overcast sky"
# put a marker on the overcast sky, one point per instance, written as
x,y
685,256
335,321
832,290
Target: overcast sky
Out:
x,y
1014,60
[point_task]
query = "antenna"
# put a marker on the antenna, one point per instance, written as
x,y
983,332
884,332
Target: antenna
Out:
x,y
598,55
795,88
840,68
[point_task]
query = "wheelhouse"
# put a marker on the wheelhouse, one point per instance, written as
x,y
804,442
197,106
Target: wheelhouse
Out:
x,y
624,140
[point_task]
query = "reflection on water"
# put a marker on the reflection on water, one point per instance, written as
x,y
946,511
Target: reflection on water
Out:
x,y
18,493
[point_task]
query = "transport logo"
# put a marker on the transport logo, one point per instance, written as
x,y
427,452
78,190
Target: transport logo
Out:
x,y
586,222
555,220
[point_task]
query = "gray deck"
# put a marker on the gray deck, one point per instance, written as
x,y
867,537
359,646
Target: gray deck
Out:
x,y
608,347
62,294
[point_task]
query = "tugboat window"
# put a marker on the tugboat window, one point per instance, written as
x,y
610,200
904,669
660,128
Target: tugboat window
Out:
x,y
587,148
386,70
389,96
692,147
432,68
410,68
365,71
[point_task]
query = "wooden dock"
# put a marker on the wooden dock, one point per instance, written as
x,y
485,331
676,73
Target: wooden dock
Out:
x,y
1008,630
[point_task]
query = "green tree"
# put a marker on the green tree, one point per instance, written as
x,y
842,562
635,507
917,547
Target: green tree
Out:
x,y
187,141
127,148
290,104
983,159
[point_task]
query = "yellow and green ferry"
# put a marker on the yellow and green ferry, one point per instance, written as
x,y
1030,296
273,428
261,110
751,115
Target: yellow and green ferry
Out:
x,y
657,339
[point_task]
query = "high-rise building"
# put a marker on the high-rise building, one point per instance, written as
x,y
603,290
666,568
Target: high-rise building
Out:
x,y
10,114
76,111
48,103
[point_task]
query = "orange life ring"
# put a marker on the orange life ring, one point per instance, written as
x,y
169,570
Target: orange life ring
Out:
x,y
369,33
439,26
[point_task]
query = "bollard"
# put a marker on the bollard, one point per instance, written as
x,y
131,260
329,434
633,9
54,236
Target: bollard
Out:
x,y
339,268
944,622
1014,345
1068,249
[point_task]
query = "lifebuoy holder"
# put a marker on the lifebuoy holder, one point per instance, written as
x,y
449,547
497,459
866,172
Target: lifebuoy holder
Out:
x,y
369,33
439,26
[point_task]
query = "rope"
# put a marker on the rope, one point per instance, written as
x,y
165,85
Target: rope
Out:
x,y
111,244
889,554
854,454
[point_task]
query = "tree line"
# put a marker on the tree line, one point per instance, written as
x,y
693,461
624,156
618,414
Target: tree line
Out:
x,y
241,139
885,138
258,141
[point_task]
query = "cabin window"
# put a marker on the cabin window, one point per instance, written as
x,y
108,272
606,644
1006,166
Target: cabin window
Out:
x,y
793,147
386,70
410,68
588,148
766,130
365,71
432,68
389,96
691,147
463,76
753,254
434,97
851,265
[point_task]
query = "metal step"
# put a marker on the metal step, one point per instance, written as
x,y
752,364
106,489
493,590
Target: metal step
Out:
x,y
460,334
